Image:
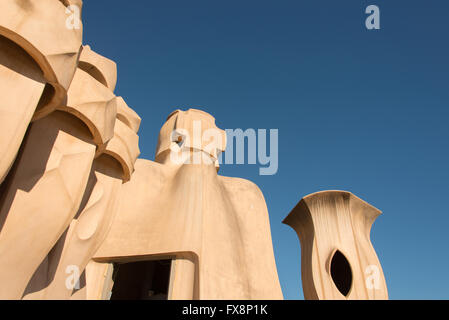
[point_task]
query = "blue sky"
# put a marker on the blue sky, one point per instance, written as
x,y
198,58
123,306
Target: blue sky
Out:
x,y
357,110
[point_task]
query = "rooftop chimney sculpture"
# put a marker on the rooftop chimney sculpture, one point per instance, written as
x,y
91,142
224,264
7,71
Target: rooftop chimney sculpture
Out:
x,y
338,260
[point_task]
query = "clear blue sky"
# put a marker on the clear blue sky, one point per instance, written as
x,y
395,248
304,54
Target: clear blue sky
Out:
x,y
357,110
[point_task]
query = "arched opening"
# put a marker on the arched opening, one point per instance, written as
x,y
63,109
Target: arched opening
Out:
x,y
93,72
341,273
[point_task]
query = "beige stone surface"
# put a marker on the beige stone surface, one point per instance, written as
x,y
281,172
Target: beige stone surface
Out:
x,y
94,104
38,58
21,86
220,245
41,197
40,28
89,228
182,279
337,224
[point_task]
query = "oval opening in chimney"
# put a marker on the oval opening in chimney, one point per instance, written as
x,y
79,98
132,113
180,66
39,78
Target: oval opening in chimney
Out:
x,y
341,273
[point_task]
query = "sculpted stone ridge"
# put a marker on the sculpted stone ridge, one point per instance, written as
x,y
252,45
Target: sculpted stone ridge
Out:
x,y
127,115
21,87
124,147
94,104
38,59
99,67
41,31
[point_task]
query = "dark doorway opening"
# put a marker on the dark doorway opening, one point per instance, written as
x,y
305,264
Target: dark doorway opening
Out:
x,y
143,280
